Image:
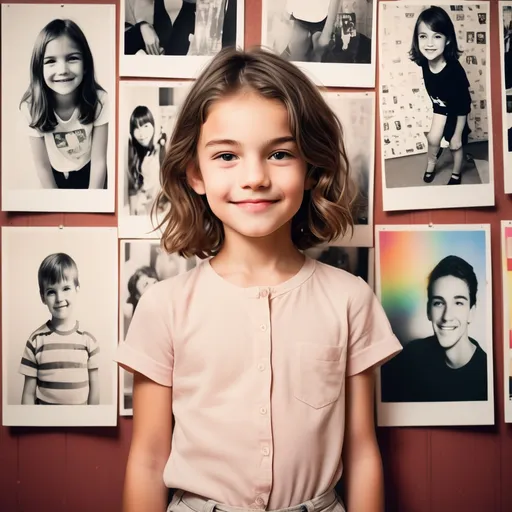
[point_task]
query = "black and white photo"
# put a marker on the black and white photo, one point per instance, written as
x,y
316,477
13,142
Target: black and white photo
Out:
x,y
176,38
58,119
59,333
434,102
359,261
333,40
143,263
148,112
434,285
356,113
506,88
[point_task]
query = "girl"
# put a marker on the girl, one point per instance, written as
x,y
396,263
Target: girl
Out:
x,y
434,48
66,110
145,155
258,352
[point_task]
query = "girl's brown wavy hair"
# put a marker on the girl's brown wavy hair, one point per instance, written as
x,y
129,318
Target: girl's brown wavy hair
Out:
x,y
190,228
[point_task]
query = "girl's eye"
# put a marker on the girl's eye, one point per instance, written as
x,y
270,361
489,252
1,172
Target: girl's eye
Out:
x,y
280,155
49,61
226,157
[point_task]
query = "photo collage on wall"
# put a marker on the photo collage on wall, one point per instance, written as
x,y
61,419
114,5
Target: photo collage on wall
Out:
x,y
435,150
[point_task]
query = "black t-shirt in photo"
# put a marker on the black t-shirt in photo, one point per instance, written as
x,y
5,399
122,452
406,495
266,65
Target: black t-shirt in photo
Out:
x,y
448,89
420,374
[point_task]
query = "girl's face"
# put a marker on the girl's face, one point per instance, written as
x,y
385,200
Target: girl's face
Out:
x,y
144,134
250,167
63,66
431,44
144,283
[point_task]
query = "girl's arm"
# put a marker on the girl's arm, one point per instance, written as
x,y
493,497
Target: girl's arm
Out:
x,y
363,476
94,387
99,156
144,489
28,396
42,162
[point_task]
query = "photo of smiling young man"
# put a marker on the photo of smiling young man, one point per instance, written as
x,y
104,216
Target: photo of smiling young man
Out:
x,y
435,285
449,365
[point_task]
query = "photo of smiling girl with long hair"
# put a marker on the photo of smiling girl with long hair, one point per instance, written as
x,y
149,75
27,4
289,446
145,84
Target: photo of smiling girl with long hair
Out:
x,y
66,110
146,150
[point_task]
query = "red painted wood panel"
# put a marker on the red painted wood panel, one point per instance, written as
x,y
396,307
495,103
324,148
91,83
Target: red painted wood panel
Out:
x,y
427,470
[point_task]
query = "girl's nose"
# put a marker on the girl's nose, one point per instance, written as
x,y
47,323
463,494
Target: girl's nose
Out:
x,y
62,66
254,175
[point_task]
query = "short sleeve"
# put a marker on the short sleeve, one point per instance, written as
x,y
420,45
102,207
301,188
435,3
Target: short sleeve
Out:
x,y
461,100
28,366
25,119
93,349
102,110
148,347
371,340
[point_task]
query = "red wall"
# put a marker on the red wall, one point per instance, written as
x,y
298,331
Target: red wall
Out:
x,y
427,469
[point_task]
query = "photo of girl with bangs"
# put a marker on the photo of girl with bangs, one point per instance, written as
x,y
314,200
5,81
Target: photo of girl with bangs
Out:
x,y
146,150
434,48
66,110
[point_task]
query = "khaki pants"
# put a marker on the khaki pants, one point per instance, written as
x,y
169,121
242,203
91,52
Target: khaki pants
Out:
x,y
187,502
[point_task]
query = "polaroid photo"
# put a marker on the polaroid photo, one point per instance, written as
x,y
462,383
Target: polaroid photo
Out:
x,y
333,41
176,38
506,264
356,112
143,263
59,326
434,284
147,115
58,107
506,90
435,108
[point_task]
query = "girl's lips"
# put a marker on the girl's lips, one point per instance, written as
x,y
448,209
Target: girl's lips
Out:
x,y
255,206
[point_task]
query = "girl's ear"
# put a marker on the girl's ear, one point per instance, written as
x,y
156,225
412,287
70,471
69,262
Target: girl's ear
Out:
x,y
194,179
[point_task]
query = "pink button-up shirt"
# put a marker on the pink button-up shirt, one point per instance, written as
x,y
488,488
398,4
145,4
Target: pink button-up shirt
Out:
x,y
258,377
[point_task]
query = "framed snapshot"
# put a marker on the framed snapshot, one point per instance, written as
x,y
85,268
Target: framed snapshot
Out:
x,y
434,283
359,261
59,326
435,105
58,107
333,41
176,38
143,263
356,112
506,89
147,114
506,262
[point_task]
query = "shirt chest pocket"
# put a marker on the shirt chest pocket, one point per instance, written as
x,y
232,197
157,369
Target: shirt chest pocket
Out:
x,y
318,373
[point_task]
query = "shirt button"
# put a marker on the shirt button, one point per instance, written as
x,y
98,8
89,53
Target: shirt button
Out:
x,y
263,410
259,501
265,450
261,367
264,293
263,327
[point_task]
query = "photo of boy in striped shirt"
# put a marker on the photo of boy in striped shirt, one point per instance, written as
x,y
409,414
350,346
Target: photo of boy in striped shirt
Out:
x,y
60,360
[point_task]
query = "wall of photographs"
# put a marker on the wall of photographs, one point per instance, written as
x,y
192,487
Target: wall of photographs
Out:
x,y
83,189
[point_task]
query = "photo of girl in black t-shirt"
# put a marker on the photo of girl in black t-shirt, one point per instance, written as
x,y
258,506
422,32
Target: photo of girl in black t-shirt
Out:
x,y
434,48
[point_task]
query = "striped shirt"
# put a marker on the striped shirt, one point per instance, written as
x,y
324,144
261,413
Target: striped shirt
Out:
x,y
60,360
